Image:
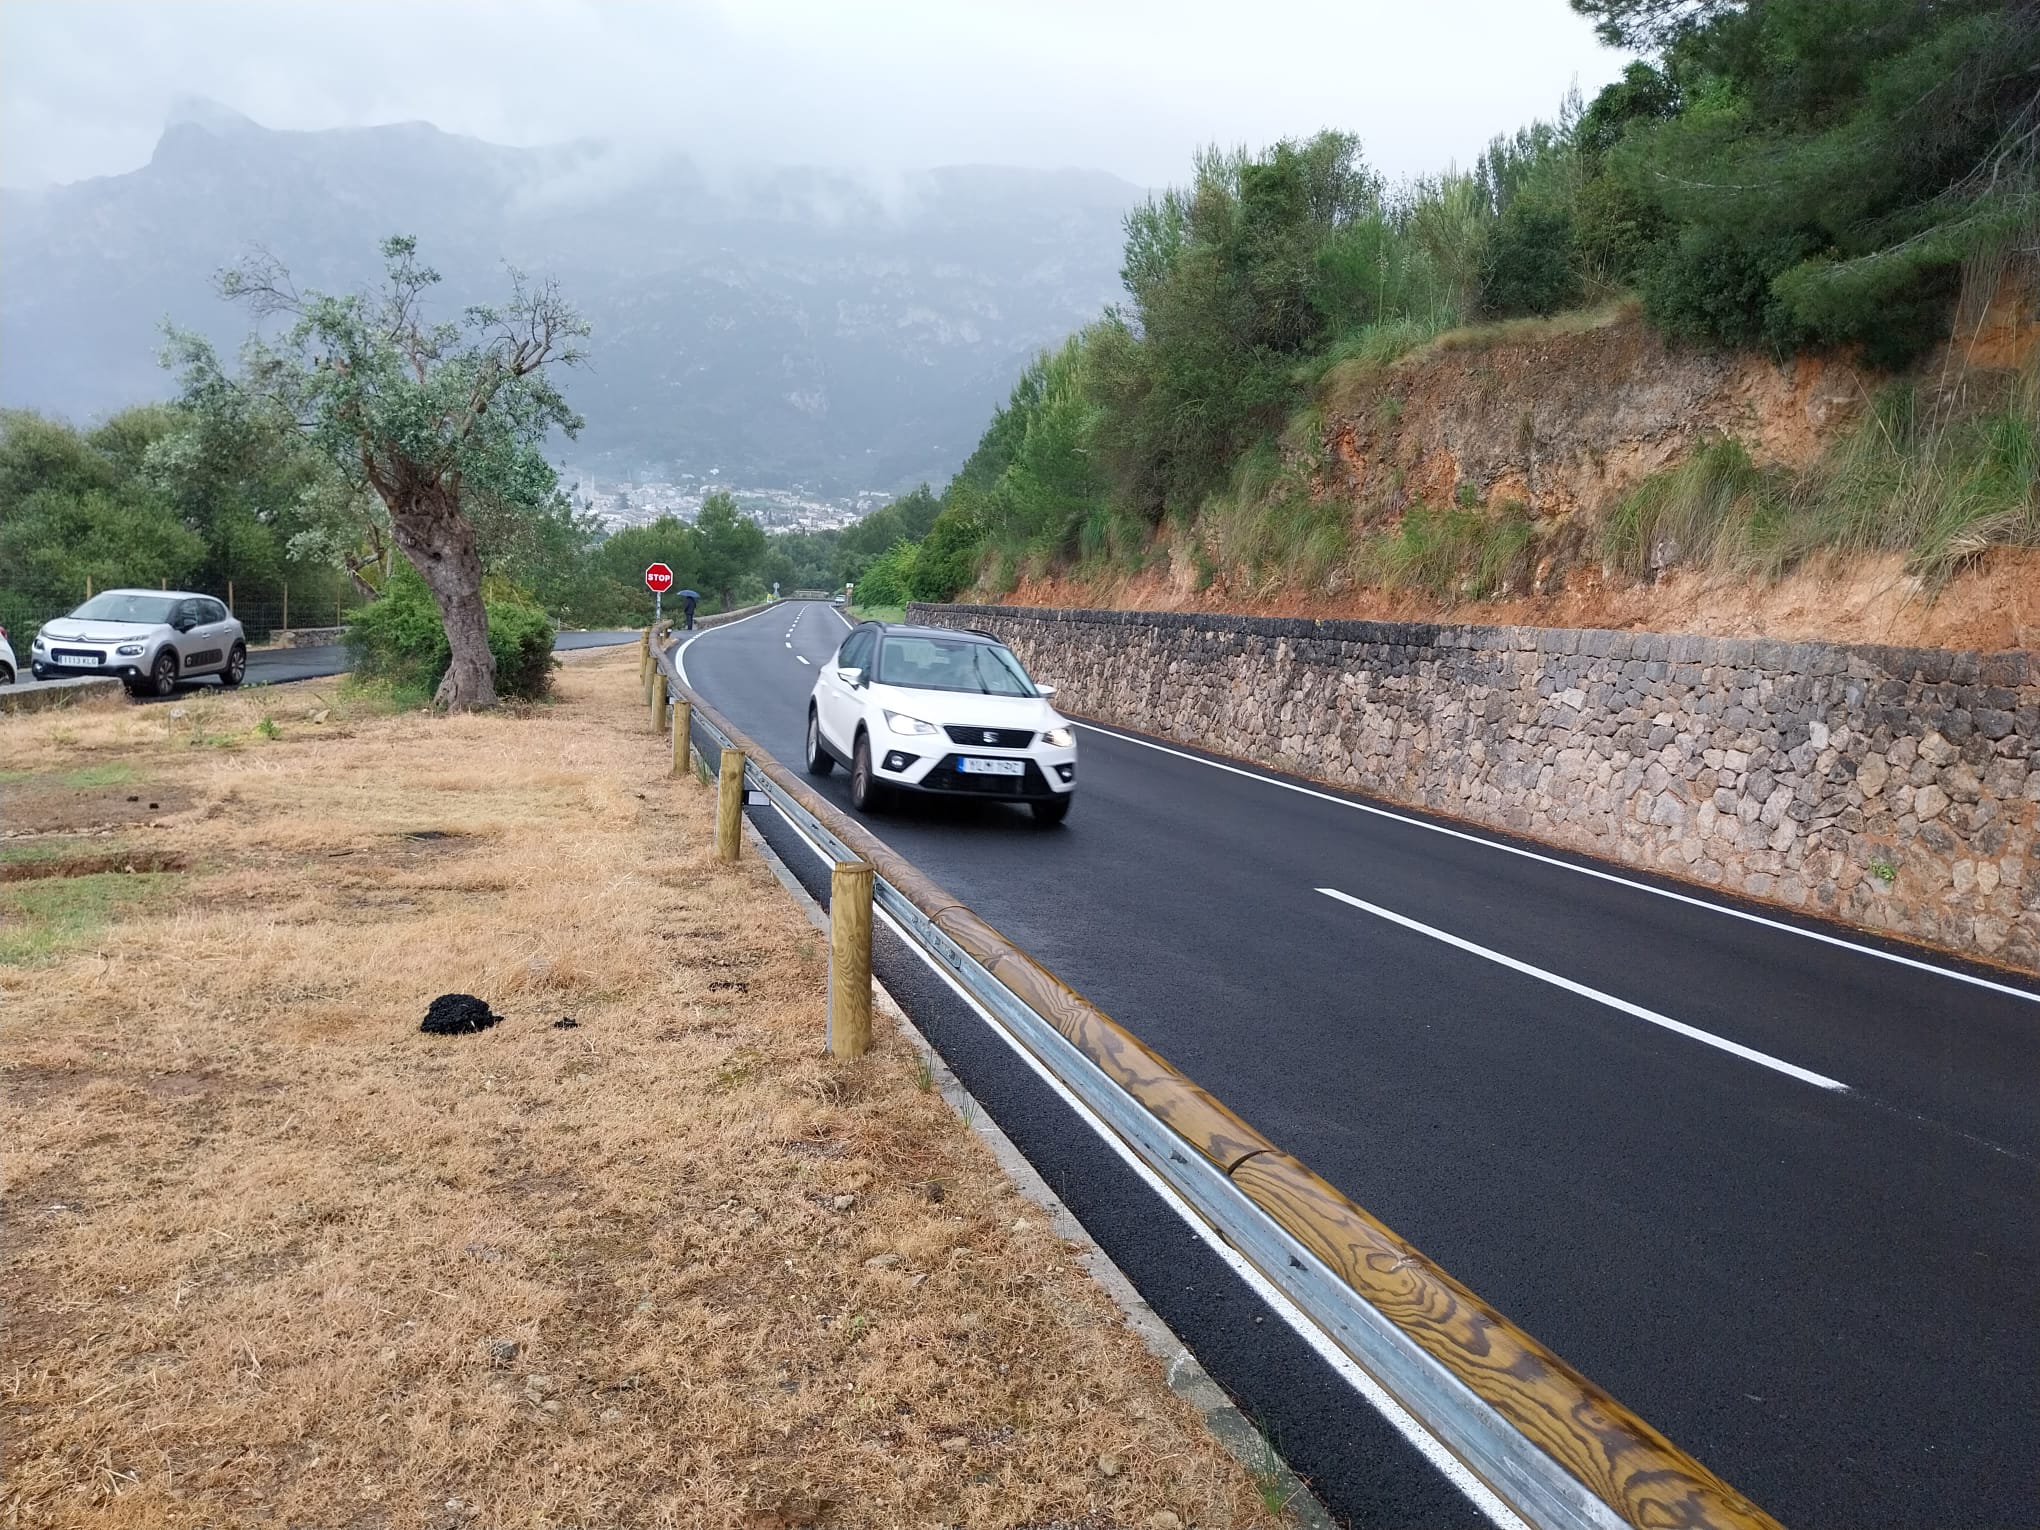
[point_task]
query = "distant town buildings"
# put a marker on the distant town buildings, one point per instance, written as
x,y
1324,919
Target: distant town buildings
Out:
x,y
616,505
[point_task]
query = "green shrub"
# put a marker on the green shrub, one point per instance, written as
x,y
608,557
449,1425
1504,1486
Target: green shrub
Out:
x,y
521,638
1527,264
947,561
400,640
888,579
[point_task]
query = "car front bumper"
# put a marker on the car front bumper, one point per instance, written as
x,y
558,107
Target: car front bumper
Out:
x,y
934,766
48,665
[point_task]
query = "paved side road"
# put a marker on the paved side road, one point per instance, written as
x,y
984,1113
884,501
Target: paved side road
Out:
x,y
276,666
1775,1184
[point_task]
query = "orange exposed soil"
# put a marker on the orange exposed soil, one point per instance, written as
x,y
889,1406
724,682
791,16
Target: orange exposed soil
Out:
x,y
1993,605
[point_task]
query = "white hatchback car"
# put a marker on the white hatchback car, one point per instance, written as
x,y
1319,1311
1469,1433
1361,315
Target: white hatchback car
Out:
x,y
148,639
930,709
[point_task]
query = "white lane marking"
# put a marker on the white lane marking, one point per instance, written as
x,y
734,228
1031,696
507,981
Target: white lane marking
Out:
x,y
802,657
1448,1465
1748,1054
1586,871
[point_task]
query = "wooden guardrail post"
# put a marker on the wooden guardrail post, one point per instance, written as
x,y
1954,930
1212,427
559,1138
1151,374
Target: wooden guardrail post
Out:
x,y
658,699
850,959
729,805
683,735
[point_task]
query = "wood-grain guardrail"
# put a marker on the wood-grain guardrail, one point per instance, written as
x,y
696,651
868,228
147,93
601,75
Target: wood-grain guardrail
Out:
x,y
1629,1466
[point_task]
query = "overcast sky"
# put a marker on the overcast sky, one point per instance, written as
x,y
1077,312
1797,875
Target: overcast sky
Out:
x,y
1130,86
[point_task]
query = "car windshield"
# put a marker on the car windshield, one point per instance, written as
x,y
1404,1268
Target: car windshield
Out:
x,y
951,664
115,606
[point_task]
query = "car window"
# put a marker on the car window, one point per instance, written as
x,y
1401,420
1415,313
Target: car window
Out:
x,y
214,611
951,664
856,650
117,606
189,611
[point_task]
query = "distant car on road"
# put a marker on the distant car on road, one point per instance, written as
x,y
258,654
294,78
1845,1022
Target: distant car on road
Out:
x,y
8,669
929,709
148,639
840,600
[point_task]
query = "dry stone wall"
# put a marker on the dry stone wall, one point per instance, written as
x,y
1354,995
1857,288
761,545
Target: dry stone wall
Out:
x,y
1894,788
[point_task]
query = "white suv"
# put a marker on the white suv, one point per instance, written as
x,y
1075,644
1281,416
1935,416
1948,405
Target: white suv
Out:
x,y
929,709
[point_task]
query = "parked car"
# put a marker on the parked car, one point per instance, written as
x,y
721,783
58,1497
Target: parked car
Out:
x,y
930,709
149,639
7,666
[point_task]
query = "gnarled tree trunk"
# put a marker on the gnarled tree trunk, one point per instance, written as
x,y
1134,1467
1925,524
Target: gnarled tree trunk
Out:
x,y
440,543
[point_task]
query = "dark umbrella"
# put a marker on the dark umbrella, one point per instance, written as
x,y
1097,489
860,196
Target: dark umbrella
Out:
x,y
688,594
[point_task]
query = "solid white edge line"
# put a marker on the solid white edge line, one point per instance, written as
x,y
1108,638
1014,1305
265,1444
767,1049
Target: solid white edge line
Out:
x,y
1748,1054
1586,871
802,657
1448,1465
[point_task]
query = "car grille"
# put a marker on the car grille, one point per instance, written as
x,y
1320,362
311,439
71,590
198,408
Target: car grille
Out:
x,y
945,777
991,738
90,656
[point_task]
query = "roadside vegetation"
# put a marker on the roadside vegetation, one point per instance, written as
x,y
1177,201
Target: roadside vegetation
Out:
x,y
640,1254
1799,176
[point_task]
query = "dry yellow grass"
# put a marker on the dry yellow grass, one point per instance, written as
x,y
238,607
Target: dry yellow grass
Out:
x,y
269,1248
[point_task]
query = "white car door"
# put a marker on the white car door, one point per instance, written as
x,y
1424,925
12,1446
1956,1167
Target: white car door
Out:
x,y
187,636
840,701
210,636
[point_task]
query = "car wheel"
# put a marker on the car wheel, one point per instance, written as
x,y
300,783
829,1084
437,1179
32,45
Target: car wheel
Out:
x,y
1053,809
237,666
6,675
819,762
866,795
163,674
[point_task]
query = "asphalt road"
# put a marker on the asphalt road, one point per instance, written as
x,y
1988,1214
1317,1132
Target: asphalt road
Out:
x,y
1778,1193
275,666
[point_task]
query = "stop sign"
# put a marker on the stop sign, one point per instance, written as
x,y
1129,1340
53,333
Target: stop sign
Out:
x,y
659,577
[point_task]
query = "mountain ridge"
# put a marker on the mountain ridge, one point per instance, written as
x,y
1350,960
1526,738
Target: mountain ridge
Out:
x,y
788,325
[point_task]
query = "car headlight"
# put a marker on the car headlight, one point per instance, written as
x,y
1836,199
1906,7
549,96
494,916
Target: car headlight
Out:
x,y
1062,738
38,641
899,722
130,649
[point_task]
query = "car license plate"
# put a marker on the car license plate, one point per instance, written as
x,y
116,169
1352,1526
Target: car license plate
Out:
x,y
79,660
972,767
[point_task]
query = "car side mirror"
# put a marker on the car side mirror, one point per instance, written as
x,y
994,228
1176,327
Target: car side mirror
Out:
x,y
184,624
1046,691
850,674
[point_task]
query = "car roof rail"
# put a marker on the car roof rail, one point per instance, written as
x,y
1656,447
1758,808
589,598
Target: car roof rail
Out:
x,y
980,632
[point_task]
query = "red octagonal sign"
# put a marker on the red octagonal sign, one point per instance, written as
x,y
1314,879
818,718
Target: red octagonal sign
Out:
x,y
659,577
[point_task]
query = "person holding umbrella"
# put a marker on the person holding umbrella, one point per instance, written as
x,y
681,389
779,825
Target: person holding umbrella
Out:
x,y
687,600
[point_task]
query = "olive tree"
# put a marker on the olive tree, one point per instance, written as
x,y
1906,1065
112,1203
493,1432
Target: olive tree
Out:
x,y
434,417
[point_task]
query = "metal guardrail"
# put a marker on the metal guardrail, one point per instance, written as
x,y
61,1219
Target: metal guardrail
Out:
x,y
1553,1446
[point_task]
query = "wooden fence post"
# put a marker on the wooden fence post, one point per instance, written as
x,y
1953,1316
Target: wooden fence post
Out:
x,y
658,700
683,735
849,959
286,606
729,805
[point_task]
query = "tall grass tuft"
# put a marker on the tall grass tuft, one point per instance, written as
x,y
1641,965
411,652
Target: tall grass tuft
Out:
x,y
1939,484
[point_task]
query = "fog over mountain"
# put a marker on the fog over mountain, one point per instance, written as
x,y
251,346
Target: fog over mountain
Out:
x,y
783,325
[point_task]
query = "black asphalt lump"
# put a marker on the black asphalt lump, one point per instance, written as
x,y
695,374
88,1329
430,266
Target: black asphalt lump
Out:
x,y
458,1014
